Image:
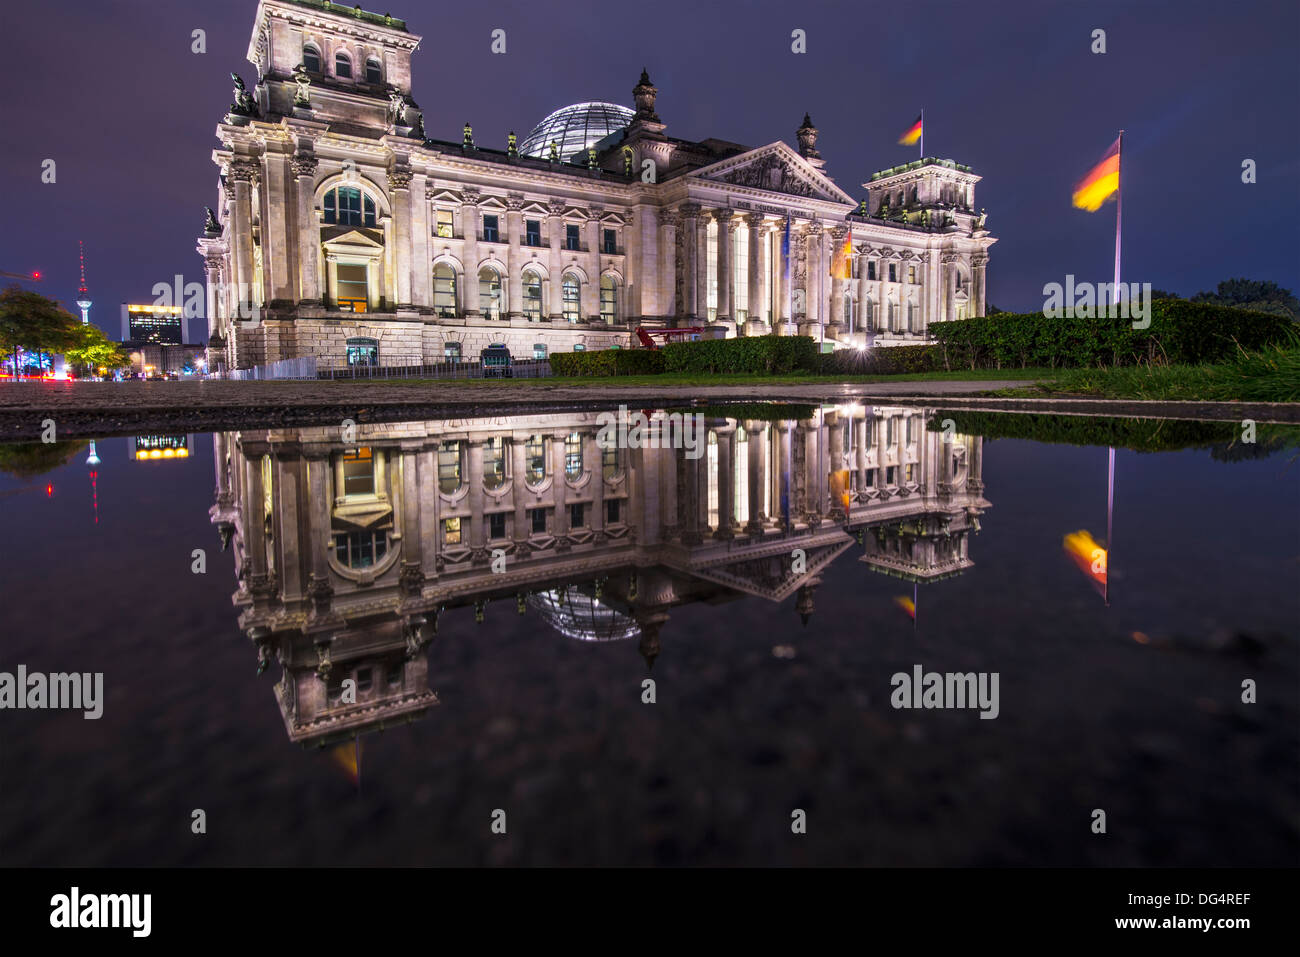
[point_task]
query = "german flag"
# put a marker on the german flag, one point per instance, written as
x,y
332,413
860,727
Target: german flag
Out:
x,y
842,260
1101,183
913,134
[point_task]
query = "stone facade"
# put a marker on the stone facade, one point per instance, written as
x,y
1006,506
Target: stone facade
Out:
x,y
338,218
348,553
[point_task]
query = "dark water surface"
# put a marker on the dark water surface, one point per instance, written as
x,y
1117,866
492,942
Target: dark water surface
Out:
x,y
1134,708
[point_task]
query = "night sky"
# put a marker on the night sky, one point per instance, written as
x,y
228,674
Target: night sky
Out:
x,y
112,92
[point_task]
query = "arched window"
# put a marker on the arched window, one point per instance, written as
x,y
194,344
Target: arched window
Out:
x,y
360,549
373,72
573,454
535,459
348,206
489,293
532,296
311,58
869,314
449,467
911,318
494,462
444,290
608,299
571,307
342,66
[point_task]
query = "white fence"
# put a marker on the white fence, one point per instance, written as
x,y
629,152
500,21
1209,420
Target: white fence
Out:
x,y
308,367
300,368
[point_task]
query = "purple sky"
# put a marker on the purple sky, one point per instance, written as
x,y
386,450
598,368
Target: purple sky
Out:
x,y
110,91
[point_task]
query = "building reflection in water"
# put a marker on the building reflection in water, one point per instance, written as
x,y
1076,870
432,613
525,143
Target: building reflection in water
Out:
x,y
348,555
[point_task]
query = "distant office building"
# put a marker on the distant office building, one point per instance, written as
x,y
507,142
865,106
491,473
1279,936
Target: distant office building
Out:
x,y
151,448
150,323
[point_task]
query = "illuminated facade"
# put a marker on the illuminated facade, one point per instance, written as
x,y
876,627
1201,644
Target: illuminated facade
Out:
x,y
157,325
348,555
343,231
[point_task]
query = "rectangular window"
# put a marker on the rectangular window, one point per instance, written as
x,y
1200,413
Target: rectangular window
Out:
x,y
533,232
608,300
911,424
365,679
871,478
353,288
535,459
575,515
445,228
358,472
490,229
571,238
538,516
893,272
908,473
611,511
911,274
891,475
451,531
891,432
451,351
497,525
611,242
871,269
539,350
393,677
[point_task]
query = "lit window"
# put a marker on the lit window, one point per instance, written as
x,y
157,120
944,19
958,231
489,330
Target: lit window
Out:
x,y
489,292
373,72
358,472
491,232
570,288
494,463
449,467
571,238
532,296
451,531
364,352
533,232
343,66
608,299
539,350
444,290
911,274
535,459
445,228
573,454
353,287
451,351
311,58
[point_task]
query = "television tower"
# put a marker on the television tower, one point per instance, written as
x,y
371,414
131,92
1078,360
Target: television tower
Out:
x,y
83,299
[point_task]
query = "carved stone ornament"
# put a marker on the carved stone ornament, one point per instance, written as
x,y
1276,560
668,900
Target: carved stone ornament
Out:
x,y
772,173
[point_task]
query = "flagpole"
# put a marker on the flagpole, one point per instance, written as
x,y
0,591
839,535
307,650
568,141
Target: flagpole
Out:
x,y
922,156
1119,198
1110,513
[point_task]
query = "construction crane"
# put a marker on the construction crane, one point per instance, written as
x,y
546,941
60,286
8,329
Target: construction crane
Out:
x,y
27,276
669,335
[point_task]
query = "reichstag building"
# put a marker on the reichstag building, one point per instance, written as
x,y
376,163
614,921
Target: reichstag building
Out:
x,y
343,231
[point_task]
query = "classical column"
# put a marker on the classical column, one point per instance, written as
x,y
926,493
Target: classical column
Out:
x,y
780,282
469,236
726,483
725,226
755,449
288,466
755,223
978,262
593,459
838,284
421,242
689,254
590,259
243,173
519,489
701,243
554,306
514,278
308,258
864,293
212,277
813,274
476,495
559,485
399,187
670,221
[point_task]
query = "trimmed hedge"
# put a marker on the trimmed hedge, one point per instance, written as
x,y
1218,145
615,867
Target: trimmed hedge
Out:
x,y
755,355
885,360
1181,333
608,362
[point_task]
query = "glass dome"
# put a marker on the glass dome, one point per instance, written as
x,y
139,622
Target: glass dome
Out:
x,y
575,614
575,128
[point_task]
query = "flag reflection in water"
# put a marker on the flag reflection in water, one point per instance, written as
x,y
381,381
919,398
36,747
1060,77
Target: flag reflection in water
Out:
x,y
1089,556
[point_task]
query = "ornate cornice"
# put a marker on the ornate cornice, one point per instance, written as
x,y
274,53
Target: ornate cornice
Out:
x,y
399,178
303,164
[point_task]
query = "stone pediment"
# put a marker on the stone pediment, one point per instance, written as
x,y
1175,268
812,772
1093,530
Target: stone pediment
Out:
x,y
770,574
778,169
353,236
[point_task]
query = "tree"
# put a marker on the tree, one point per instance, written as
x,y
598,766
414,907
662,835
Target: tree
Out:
x,y
1260,295
30,322
92,350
